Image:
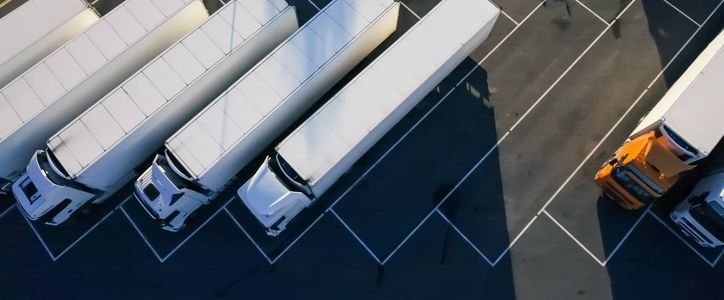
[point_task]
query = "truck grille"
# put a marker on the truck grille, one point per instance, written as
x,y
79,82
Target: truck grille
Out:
x,y
690,230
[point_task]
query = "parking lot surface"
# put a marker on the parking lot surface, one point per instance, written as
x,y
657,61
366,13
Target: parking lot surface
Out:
x,y
484,190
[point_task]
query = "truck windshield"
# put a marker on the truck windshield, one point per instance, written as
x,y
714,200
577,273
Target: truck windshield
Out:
x,y
620,175
287,175
711,216
643,178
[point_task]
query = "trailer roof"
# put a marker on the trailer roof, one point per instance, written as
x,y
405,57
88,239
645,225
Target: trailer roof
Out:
x,y
107,122
61,71
31,21
698,111
336,128
233,115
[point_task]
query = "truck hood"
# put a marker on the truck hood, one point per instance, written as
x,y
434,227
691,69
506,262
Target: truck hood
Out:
x,y
267,198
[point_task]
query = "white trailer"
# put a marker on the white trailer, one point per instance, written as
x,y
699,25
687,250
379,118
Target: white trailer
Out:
x,y
36,28
690,114
203,157
72,78
93,156
310,159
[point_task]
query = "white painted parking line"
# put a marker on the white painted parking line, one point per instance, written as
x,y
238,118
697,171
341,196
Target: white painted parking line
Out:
x,y
197,230
84,235
682,13
356,237
625,237
515,240
92,227
718,257
509,17
464,237
248,236
593,13
47,249
602,263
297,239
410,9
128,217
711,264
7,210
313,4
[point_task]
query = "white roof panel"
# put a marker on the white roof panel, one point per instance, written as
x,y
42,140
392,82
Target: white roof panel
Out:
x,y
31,21
223,35
347,17
65,68
141,96
313,47
279,4
163,77
258,93
203,48
124,110
262,89
368,9
44,83
244,23
86,54
144,94
81,144
145,12
169,7
125,25
8,118
21,97
295,62
220,127
106,39
105,131
184,63
337,127
74,62
263,11
331,33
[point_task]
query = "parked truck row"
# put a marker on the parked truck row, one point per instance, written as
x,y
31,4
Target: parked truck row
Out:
x,y
218,90
201,159
96,153
58,88
674,137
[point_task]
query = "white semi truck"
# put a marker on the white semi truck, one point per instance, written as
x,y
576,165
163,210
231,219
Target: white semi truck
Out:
x,y
36,28
203,157
60,87
310,159
93,156
701,215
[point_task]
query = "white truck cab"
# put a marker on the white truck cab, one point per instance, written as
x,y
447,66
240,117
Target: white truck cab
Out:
x,y
701,215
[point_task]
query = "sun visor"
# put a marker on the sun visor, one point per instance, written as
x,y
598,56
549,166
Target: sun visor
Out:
x,y
665,161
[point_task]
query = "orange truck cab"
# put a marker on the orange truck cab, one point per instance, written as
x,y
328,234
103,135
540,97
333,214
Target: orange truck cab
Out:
x,y
640,171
